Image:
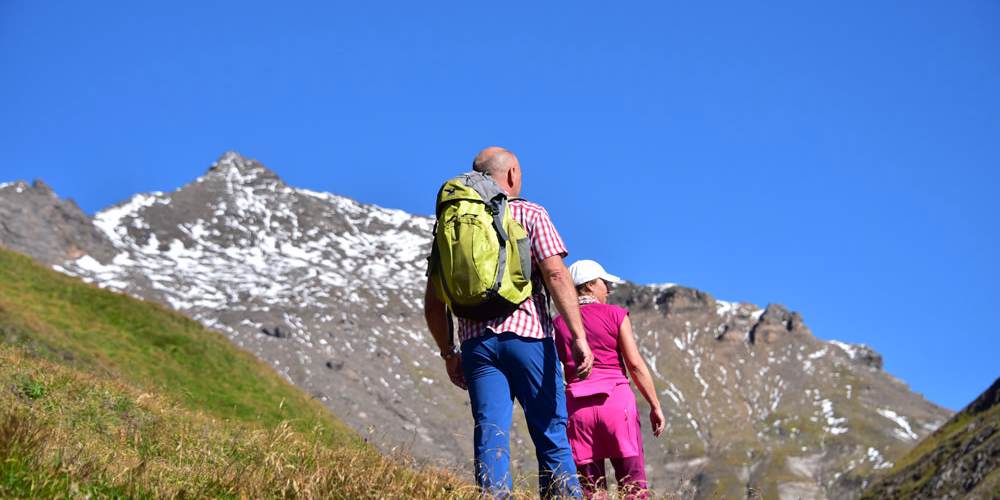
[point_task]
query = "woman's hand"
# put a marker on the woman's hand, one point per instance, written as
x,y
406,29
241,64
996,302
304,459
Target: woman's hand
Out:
x,y
454,366
657,420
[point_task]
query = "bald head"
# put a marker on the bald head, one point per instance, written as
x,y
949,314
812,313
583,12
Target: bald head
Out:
x,y
502,166
493,160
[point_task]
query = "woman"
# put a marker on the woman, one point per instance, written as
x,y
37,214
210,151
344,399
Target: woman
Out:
x,y
603,419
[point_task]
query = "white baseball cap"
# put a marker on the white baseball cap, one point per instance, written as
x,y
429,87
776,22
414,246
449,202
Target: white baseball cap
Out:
x,y
583,271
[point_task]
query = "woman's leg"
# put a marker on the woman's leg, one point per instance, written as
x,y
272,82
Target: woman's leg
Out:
x,y
630,473
592,475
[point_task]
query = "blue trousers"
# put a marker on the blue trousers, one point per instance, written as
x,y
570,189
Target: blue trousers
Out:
x,y
499,368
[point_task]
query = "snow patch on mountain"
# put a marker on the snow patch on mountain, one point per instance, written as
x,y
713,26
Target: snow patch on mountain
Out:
x,y
877,459
19,186
818,354
274,261
659,287
904,431
850,350
109,221
723,308
833,424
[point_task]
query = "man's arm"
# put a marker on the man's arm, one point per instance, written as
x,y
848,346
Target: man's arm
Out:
x,y
560,285
437,322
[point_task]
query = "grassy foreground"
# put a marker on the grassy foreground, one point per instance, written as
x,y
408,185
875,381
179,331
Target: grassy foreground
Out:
x,y
102,395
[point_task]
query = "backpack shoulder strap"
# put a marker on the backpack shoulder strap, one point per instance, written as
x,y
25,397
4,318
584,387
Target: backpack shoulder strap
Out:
x,y
536,275
451,326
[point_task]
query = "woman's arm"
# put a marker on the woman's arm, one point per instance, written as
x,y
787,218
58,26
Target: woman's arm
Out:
x,y
640,373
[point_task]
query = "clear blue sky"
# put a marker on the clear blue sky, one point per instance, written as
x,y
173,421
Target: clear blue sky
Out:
x,y
840,159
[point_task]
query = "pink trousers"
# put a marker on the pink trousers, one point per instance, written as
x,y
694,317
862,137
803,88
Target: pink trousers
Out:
x,y
629,472
606,425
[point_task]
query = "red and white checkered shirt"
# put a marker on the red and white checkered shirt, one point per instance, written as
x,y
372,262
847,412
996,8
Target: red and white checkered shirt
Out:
x,y
531,319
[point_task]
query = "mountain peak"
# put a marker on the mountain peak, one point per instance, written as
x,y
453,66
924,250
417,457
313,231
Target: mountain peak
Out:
x,y
236,168
231,158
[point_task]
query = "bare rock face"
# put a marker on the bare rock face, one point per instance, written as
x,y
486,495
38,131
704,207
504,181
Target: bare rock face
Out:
x,y
775,323
33,220
329,292
680,300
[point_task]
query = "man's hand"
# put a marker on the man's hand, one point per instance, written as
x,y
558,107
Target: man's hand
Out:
x,y
560,286
454,366
437,322
656,420
583,357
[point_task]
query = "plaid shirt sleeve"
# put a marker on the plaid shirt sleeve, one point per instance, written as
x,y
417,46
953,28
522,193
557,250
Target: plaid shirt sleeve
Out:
x,y
545,240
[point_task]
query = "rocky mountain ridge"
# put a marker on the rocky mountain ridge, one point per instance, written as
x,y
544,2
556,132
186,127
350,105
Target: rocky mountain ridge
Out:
x,y
329,292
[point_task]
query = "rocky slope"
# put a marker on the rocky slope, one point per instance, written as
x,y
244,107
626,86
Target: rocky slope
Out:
x,y
959,460
759,405
329,290
33,220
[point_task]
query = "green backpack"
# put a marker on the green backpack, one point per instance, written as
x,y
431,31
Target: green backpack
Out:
x,y
480,265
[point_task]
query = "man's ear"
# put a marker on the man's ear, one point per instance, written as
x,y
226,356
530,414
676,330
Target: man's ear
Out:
x,y
511,176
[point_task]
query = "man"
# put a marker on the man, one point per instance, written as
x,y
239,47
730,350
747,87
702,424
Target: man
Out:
x,y
514,356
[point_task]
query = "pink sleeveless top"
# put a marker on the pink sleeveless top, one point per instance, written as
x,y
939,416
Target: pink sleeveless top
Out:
x,y
601,321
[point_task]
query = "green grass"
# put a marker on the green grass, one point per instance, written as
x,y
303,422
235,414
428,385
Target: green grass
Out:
x,y
914,471
90,435
148,345
105,396
23,475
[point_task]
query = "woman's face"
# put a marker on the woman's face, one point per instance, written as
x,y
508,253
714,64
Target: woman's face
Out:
x,y
607,290
599,289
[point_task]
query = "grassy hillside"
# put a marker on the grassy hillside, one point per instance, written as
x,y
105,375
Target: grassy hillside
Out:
x,y
961,459
105,395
